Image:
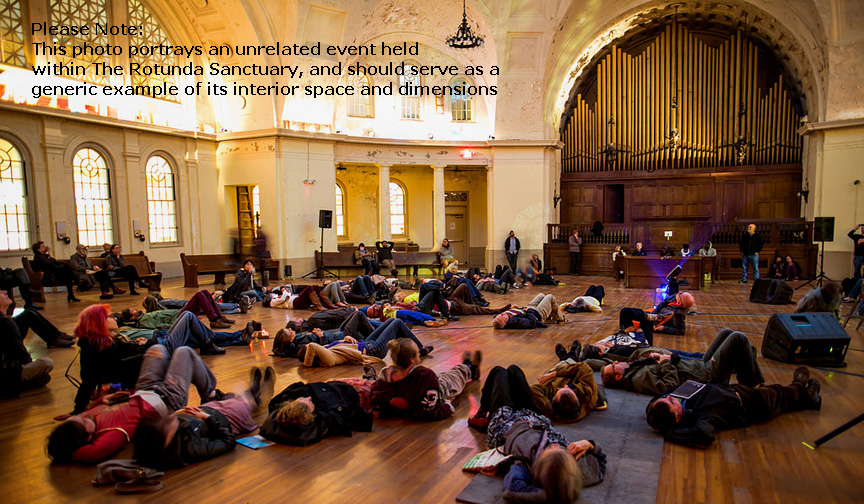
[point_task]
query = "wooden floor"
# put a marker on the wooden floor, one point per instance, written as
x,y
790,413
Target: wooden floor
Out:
x,y
407,462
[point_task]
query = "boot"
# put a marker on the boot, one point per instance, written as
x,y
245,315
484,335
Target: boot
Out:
x,y
118,290
219,324
255,378
325,301
227,320
315,301
560,352
106,295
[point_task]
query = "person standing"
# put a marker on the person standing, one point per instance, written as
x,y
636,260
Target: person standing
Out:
x,y
858,259
511,248
575,249
750,246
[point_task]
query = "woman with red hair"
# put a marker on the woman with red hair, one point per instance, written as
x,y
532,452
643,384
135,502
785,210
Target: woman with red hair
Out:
x,y
104,358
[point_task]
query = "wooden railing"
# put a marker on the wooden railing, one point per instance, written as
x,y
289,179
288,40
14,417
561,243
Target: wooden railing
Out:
x,y
613,234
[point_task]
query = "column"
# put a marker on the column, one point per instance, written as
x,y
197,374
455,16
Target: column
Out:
x,y
383,202
439,221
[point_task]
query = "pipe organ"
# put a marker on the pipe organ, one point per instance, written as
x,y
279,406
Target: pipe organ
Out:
x,y
681,101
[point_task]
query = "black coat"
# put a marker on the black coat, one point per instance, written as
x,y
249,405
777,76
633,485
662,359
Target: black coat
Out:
x,y
712,409
119,363
750,244
13,356
203,439
337,413
507,244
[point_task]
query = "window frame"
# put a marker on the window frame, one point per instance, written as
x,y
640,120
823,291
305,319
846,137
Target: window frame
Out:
x,y
403,98
336,215
370,99
29,200
468,99
404,214
109,166
172,165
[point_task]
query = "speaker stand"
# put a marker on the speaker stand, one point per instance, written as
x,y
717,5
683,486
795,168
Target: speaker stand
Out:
x,y
320,270
839,430
821,274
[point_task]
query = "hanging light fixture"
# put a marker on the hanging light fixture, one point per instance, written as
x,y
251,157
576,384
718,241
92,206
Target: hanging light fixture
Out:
x,y
464,39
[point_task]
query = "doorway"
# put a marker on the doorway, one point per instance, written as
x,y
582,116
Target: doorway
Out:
x,y
457,233
248,218
613,203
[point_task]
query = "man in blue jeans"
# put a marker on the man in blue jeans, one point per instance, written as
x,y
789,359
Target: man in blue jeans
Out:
x,y
750,246
188,330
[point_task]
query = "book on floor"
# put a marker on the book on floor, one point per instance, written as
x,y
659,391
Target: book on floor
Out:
x,y
254,442
485,462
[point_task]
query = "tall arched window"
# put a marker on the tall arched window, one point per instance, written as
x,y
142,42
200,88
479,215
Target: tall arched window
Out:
x,y
92,197
461,104
360,105
340,211
14,226
256,209
411,98
161,206
397,209
12,34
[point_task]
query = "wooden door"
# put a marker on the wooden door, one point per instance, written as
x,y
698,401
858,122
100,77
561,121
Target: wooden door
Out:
x,y
457,234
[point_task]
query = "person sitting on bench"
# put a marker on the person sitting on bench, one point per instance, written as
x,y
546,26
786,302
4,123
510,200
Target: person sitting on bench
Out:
x,y
695,421
54,270
86,272
655,373
115,265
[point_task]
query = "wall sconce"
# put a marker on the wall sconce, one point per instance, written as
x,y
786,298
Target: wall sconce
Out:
x,y
136,227
60,227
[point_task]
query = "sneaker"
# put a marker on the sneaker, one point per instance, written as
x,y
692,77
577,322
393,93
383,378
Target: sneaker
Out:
x,y
560,351
219,324
481,423
245,304
814,399
119,291
527,284
452,318
742,281
575,350
801,374
426,350
227,320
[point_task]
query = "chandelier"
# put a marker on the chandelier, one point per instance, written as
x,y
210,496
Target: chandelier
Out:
x,y
464,39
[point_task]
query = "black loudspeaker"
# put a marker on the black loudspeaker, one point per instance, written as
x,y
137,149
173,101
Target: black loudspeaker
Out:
x,y
325,219
771,291
814,338
287,271
823,229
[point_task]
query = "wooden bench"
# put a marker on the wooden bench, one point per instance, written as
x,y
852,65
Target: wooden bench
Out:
x,y
143,265
343,260
218,265
412,261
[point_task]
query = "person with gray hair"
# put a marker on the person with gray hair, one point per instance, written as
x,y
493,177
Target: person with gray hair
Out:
x,y
86,272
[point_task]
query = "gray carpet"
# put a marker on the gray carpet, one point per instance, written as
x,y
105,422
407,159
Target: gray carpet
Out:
x,y
633,452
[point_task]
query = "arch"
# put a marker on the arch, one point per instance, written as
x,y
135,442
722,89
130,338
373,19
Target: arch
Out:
x,y
398,208
15,214
339,211
410,102
461,105
161,199
91,183
358,105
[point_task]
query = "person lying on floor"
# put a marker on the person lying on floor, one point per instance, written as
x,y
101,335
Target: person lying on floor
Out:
x,y
429,300
695,421
155,302
288,343
567,392
201,303
459,302
162,387
622,346
349,350
413,316
408,389
20,371
548,467
591,301
328,319
452,281
198,433
669,317
655,373
543,308
188,330
310,298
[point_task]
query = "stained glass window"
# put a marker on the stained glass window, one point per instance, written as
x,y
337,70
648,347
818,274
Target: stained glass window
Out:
x,y
14,226
161,204
92,197
397,209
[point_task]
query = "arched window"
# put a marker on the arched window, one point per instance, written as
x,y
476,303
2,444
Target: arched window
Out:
x,y
256,209
340,211
161,206
14,224
397,209
81,13
149,33
360,105
411,97
461,104
92,197
12,34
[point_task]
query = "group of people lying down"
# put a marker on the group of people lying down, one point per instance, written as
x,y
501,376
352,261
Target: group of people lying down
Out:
x,y
516,416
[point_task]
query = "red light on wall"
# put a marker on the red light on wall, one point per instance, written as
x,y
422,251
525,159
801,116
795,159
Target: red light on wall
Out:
x,y
467,154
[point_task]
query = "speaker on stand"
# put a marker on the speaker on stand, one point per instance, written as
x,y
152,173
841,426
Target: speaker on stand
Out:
x,y
325,221
823,231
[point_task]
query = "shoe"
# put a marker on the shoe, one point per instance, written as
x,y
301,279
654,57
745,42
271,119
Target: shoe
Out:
x,y
255,378
575,350
369,373
268,384
106,295
452,318
435,323
742,281
245,303
481,423
256,326
527,284
426,350
247,333
118,290
560,352
814,398
62,341
466,358
218,395
72,299
227,320
801,374
134,293
211,349
219,324
516,286
848,300
476,360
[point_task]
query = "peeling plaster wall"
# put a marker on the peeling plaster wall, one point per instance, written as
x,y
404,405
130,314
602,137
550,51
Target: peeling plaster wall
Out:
x,y
361,203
